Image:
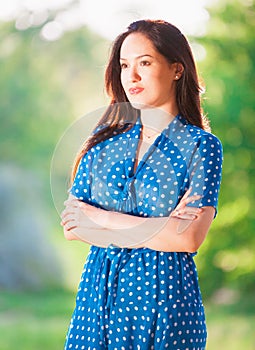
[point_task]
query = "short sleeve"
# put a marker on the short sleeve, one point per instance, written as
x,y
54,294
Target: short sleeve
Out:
x,y
81,184
205,171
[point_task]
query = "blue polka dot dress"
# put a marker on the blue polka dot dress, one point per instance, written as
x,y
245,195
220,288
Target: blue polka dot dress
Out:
x,y
141,298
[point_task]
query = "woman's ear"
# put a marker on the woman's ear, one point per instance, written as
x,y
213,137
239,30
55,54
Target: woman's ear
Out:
x,y
179,69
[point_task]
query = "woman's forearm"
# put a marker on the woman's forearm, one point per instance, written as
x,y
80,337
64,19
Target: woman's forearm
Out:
x,y
183,235
101,227
163,234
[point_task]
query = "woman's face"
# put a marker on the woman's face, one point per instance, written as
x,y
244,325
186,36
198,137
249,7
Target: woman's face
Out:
x,y
146,76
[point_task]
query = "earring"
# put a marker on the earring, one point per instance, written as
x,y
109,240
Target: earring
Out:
x,y
176,77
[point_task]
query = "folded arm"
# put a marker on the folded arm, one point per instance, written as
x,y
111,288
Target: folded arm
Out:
x,y
183,231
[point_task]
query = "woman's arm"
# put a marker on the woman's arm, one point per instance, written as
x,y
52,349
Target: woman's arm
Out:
x,y
184,230
181,236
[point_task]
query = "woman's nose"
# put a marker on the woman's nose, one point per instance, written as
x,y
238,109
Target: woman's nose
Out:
x,y
134,75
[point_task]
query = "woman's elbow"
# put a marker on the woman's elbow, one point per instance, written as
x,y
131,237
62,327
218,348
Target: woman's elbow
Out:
x,y
192,249
194,242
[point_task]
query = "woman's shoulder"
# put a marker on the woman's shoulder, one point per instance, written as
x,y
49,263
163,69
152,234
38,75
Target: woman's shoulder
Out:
x,y
203,137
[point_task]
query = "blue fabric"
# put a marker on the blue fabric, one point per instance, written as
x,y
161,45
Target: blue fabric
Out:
x,y
141,298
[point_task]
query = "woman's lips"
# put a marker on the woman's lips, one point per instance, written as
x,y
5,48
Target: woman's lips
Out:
x,y
135,91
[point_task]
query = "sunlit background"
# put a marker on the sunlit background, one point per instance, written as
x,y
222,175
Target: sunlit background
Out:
x,y
52,59
107,18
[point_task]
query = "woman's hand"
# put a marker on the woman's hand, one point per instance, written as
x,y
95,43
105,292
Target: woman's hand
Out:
x,y
82,221
183,211
78,215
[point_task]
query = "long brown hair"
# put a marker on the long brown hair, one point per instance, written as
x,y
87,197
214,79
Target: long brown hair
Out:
x,y
120,115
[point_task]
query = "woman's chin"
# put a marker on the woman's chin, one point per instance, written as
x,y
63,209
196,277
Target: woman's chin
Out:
x,y
139,105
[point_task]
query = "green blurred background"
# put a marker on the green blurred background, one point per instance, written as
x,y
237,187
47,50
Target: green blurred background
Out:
x,y
46,84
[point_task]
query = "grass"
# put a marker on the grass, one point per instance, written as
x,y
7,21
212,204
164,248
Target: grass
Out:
x,y
34,321
231,327
39,321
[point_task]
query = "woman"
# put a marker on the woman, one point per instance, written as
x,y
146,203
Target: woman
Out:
x,y
145,191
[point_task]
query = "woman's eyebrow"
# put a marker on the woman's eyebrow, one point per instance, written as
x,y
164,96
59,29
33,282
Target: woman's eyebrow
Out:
x,y
140,56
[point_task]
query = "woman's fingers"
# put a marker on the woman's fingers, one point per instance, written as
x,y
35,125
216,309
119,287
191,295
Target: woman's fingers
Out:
x,y
183,205
73,206
66,212
70,215
187,198
72,203
186,213
67,218
186,216
190,210
187,193
183,211
70,226
77,215
185,201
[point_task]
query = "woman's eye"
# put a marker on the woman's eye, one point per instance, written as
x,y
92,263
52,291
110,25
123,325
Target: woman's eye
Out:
x,y
123,65
144,63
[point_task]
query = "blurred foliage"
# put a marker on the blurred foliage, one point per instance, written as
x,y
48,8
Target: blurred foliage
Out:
x,y
228,256
46,85
27,259
40,84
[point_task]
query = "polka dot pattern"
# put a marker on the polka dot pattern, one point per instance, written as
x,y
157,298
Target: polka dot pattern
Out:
x,y
141,298
182,156
138,299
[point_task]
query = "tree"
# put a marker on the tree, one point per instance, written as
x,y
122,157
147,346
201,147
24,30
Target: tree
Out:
x,y
41,83
228,258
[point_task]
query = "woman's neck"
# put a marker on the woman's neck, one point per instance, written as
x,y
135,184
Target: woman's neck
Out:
x,y
156,119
